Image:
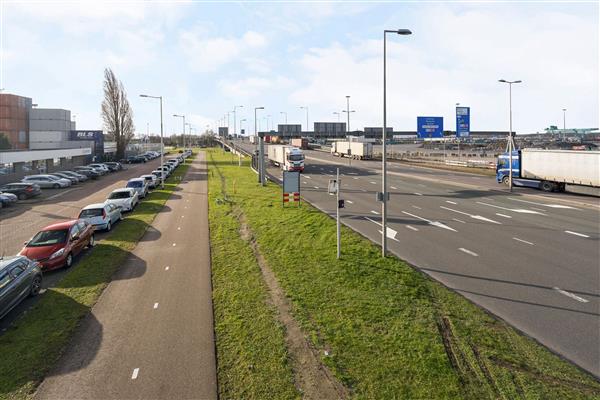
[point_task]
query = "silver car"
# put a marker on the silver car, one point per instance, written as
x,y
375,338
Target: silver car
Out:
x,y
139,185
73,180
101,215
125,198
152,180
19,277
47,181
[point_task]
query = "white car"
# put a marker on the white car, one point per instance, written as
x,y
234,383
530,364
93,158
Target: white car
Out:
x,y
151,180
47,181
101,167
101,215
126,198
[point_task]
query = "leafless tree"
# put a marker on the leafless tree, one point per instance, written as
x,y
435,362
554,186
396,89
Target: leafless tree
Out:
x,y
116,112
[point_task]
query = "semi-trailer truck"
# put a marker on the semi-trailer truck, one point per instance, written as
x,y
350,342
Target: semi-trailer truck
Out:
x,y
356,150
550,170
288,158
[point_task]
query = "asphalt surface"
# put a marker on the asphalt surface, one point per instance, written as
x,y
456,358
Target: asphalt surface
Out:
x,y
21,221
150,336
529,257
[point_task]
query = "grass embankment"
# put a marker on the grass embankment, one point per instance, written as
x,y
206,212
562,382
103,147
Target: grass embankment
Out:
x,y
251,353
390,332
33,344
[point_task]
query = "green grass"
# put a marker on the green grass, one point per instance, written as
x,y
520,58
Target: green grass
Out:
x,y
390,331
33,344
252,358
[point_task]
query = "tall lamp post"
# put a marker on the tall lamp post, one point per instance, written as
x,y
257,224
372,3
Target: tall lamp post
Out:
x,y
564,119
384,193
284,113
511,143
234,119
261,151
183,117
305,108
338,115
347,111
162,148
242,120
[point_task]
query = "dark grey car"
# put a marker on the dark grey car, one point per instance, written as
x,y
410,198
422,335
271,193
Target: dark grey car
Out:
x,y
19,277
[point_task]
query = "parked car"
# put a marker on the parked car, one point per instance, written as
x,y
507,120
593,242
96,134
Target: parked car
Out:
x,y
158,173
101,215
125,198
73,180
151,180
19,277
103,169
47,181
56,245
135,160
81,177
89,172
140,185
114,166
7,199
22,190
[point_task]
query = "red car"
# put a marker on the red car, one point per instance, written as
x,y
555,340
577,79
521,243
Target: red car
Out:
x,y
56,245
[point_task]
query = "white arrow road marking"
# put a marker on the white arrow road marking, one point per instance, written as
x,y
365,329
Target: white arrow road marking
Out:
x,y
479,217
434,223
472,253
523,241
577,234
571,295
134,375
546,205
390,233
517,210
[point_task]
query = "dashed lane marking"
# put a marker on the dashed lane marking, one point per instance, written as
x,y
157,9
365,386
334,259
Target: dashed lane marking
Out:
x,y
571,295
523,241
316,187
503,215
417,207
174,244
577,234
412,228
349,202
458,220
418,194
469,252
394,187
166,268
451,202
155,306
135,373
374,212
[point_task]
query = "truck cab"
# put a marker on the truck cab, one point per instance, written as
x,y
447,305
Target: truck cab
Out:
x,y
502,167
294,160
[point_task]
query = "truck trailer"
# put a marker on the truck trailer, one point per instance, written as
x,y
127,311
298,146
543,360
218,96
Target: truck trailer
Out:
x,y
288,158
550,170
355,150
301,143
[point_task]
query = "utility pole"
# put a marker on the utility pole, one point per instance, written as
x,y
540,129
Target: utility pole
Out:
x,y
511,143
162,147
234,119
261,151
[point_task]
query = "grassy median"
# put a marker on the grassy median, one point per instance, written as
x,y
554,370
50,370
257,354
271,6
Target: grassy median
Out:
x,y
386,330
35,341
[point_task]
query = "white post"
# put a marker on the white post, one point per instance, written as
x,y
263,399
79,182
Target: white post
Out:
x,y
339,242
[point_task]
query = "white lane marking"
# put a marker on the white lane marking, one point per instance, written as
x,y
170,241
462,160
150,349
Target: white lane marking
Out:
x,y
331,194
434,223
417,207
418,194
577,234
394,187
349,202
364,190
316,187
517,210
523,241
61,193
458,220
174,244
355,177
571,295
155,306
420,184
469,252
135,373
451,202
390,233
374,212
373,183
304,182
412,228
182,216
166,268
537,209
178,228
546,205
503,215
307,177
479,217
373,221
352,173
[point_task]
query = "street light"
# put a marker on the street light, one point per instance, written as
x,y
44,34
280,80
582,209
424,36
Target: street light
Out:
x,y
384,193
338,115
268,119
182,116
261,151
510,134
305,108
234,117
285,113
241,120
564,119
347,111
162,148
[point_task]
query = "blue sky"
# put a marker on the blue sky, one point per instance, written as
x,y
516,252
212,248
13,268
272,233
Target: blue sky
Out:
x,y
206,57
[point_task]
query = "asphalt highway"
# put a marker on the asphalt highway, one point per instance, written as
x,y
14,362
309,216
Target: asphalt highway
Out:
x,y
529,257
150,336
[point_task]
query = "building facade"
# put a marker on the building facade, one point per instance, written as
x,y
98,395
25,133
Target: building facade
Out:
x,y
14,120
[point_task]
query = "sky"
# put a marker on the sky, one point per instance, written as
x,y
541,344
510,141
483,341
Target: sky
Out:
x,y
205,57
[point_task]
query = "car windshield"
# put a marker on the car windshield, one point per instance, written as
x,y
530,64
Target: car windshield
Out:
x,y
119,195
296,157
148,178
135,184
47,238
90,212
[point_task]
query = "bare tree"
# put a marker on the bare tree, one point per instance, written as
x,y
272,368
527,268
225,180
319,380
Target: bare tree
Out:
x,y
116,112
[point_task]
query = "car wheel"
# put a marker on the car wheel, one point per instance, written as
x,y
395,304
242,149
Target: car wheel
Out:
x,y
69,260
36,286
547,186
121,217
108,227
56,186
22,196
92,241
505,180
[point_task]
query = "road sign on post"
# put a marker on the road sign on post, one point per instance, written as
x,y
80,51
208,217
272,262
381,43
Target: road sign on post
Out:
x,y
463,121
291,187
430,127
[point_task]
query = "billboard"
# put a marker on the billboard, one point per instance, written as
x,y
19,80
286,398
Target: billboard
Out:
x,y
224,131
96,136
430,127
463,121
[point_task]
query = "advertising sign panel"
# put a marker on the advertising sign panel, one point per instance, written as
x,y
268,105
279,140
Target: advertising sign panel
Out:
x,y
96,136
463,121
430,127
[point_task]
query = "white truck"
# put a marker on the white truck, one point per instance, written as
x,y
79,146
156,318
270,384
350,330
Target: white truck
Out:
x,y
355,150
551,170
288,158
